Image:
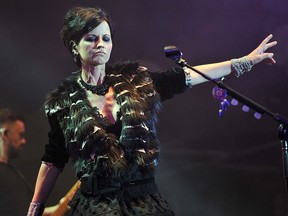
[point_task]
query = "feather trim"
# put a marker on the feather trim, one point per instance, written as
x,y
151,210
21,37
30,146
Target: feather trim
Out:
x,y
91,147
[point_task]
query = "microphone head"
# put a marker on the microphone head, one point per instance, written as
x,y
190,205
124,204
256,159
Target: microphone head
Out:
x,y
173,53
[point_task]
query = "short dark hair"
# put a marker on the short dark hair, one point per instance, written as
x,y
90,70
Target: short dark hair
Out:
x,y
81,20
9,116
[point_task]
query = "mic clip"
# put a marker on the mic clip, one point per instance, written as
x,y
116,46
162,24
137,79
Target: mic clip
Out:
x,y
175,54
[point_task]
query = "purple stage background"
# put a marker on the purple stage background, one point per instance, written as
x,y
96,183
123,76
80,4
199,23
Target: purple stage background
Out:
x,y
209,165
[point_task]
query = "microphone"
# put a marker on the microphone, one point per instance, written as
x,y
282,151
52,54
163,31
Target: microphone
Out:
x,y
175,54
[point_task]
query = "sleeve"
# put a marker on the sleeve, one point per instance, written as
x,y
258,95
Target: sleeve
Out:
x,y
170,82
55,150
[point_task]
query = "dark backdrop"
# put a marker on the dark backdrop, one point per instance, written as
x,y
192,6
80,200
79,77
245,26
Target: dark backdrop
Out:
x,y
209,165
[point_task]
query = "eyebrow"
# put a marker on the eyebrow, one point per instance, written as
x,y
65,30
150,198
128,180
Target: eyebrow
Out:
x,y
89,34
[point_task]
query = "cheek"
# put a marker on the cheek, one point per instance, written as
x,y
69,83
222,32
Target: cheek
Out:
x,y
14,142
84,48
14,138
110,48
17,143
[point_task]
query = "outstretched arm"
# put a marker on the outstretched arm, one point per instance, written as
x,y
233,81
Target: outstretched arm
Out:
x,y
217,70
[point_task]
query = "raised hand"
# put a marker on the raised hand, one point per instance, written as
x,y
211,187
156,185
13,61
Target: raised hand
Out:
x,y
259,54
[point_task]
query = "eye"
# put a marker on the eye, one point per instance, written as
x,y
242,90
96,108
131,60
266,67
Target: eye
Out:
x,y
22,135
92,38
106,38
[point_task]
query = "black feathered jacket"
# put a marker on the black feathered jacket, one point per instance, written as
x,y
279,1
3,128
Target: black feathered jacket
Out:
x,y
111,150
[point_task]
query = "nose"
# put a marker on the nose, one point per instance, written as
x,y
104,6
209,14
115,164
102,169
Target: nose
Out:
x,y
99,44
23,141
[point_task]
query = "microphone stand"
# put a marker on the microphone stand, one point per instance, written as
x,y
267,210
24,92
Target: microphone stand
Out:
x,y
175,54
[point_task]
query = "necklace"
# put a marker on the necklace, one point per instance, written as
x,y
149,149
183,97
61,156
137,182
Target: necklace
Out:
x,y
101,89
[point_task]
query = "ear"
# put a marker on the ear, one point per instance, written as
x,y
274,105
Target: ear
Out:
x,y
3,133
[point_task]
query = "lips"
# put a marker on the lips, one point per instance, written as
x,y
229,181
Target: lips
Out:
x,y
99,53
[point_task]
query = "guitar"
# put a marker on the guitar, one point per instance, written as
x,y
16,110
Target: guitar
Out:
x,y
62,207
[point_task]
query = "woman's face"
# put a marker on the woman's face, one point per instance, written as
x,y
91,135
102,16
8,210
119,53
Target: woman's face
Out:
x,y
95,47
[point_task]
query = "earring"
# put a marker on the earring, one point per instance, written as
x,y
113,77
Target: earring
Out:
x,y
75,53
76,57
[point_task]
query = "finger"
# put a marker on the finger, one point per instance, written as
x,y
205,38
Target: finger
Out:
x,y
269,61
266,40
271,44
262,46
267,56
273,60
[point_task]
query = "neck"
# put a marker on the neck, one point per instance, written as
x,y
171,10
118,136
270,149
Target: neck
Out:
x,y
93,75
